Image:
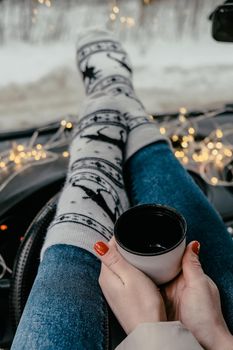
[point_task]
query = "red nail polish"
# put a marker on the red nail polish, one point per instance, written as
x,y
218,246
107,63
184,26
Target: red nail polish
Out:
x,y
196,247
101,248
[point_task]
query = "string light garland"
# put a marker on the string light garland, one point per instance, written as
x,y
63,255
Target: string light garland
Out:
x,y
209,153
21,156
116,16
211,157
35,10
47,3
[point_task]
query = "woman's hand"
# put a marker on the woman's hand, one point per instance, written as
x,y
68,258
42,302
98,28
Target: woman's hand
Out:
x,y
132,296
193,298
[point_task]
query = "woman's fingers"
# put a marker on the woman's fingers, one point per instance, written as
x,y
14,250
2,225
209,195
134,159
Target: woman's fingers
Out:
x,y
107,277
112,259
132,296
191,266
112,242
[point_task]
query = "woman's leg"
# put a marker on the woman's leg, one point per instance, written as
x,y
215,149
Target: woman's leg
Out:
x,y
65,309
154,175
90,202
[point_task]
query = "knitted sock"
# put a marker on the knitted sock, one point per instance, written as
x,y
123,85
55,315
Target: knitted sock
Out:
x,y
107,71
94,195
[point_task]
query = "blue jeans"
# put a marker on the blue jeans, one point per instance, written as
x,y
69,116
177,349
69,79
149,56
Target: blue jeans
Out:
x,y
66,310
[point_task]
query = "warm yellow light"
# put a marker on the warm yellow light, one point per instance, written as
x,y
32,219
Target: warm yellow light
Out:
x,y
20,148
185,138
12,156
2,164
162,130
210,145
69,125
218,145
115,9
179,154
65,154
205,155
183,110
3,227
175,138
17,160
22,154
201,158
41,1
112,16
191,131
43,155
219,133
219,157
39,146
184,144
214,152
63,122
37,157
123,19
34,152
182,118
214,180
227,152
130,21
195,157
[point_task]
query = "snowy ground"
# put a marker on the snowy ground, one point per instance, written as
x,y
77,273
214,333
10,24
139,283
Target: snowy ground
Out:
x,y
39,82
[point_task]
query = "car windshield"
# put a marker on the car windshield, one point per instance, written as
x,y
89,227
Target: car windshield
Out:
x,y
176,61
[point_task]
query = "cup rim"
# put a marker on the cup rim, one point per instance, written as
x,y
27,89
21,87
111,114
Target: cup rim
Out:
x,y
152,205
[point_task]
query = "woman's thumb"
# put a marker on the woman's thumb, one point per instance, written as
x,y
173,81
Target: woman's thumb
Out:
x,y
191,266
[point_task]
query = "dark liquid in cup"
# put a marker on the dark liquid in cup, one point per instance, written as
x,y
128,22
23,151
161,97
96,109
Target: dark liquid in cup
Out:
x,y
149,229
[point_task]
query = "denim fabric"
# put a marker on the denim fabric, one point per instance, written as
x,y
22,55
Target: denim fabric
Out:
x,y
154,175
65,309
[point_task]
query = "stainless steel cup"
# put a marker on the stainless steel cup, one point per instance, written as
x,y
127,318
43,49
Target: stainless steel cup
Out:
x,y
152,237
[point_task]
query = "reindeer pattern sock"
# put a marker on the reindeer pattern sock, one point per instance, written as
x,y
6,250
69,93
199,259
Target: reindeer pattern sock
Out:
x,y
94,195
107,71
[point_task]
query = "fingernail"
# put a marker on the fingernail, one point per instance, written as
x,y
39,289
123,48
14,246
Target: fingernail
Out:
x,y
101,248
196,247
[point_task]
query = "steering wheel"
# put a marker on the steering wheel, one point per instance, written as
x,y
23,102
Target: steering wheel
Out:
x,y
26,266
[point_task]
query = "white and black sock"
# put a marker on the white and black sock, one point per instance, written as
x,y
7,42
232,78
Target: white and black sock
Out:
x,y
94,195
107,71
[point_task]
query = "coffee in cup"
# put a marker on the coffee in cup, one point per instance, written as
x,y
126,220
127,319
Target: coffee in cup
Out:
x,y
152,237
